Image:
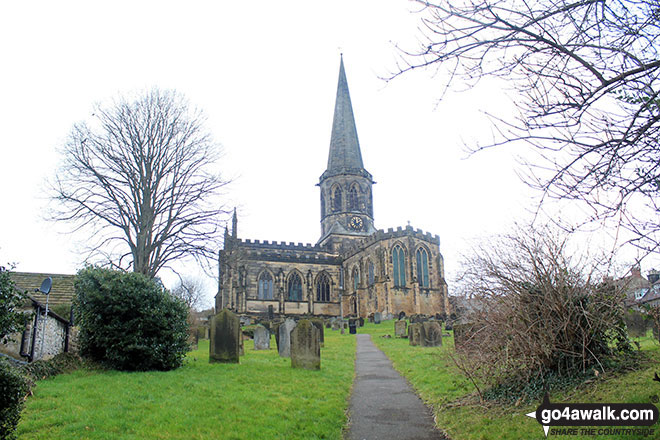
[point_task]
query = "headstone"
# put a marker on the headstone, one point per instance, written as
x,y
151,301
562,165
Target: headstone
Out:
x,y
402,315
284,346
431,334
414,334
245,321
241,348
318,323
225,337
377,318
271,312
361,321
352,326
336,323
370,318
275,328
400,330
261,338
328,323
305,346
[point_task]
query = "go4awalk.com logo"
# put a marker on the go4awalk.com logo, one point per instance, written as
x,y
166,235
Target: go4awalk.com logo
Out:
x,y
596,418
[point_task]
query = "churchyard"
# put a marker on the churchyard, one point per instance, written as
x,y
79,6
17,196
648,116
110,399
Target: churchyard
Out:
x,y
264,397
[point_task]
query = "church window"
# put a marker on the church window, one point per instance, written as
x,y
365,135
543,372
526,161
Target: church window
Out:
x,y
323,288
356,278
372,279
322,205
399,266
422,267
265,286
341,277
336,199
353,201
295,288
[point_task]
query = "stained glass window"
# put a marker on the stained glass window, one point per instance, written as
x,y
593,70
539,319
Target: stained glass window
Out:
x,y
323,288
422,267
399,266
295,288
265,286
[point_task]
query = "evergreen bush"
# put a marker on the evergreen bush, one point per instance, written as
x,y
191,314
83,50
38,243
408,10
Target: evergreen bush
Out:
x,y
128,322
13,389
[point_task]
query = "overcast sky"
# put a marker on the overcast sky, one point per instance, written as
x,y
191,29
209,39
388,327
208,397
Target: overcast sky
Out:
x,y
265,74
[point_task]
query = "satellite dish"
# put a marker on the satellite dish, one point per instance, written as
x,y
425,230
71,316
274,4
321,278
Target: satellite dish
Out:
x,y
46,285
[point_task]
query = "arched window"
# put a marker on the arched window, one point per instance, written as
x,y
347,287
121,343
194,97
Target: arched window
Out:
x,y
294,288
422,267
399,266
356,278
336,199
323,288
341,277
353,200
372,279
322,204
265,286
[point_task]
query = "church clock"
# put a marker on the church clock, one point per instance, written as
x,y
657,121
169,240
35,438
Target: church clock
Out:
x,y
355,223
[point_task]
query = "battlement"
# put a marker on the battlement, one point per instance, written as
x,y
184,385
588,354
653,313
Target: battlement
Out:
x,y
381,234
282,245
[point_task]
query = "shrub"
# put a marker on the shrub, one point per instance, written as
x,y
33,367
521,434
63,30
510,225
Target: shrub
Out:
x,y
13,389
128,322
11,300
539,316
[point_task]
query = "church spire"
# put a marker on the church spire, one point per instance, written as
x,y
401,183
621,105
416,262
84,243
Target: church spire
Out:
x,y
345,156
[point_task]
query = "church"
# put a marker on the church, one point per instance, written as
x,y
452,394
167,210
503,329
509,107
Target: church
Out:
x,y
354,269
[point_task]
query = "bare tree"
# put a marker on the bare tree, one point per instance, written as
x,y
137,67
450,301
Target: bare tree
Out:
x,y
190,290
139,176
585,73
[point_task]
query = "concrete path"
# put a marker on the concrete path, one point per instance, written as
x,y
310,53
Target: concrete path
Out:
x,y
383,406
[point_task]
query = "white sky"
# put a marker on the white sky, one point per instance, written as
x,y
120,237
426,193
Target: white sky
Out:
x,y
265,73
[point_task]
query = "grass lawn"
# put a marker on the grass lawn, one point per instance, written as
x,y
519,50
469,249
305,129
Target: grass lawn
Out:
x,y
434,376
260,398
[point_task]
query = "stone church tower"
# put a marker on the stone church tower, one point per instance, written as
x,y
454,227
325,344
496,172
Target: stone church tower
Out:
x,y
346,198
353,269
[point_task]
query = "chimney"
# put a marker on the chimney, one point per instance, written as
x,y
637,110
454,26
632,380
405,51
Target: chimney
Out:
x,y
653,276
636,272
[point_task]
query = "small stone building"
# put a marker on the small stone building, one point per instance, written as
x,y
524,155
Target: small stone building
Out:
x,y
354,268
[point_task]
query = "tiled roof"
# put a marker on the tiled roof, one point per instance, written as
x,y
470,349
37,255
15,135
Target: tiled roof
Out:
x,y
61,293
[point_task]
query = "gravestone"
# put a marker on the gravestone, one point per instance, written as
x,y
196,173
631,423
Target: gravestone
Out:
x,y
400,330
414,334
336,323
361,321
284,346
352,326
225,337
402,315
275,329
318,323
377,318
241,348
370,318
271,312
431,334
328,323
305,346
261,338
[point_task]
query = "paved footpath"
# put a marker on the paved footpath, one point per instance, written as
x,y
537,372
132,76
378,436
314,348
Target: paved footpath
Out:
x,y
383,406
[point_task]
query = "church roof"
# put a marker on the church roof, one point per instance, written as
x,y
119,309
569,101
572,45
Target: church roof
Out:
x,y
345,156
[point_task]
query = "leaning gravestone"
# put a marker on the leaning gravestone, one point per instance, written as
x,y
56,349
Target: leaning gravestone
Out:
x,y
261,338
414,334
305,346
318,323
284,346
400,330
225,337
377,318
431,334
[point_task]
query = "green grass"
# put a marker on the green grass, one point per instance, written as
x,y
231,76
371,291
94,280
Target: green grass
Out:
x,y
439,383
260,398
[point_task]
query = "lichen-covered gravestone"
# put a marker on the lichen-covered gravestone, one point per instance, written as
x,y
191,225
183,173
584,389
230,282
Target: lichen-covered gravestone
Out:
x,y
377,318
284,346
261,338
305,346
431,334
414,334
225,337
318,323
400,330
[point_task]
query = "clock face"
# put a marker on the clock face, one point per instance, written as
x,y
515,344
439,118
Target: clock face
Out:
x,y
355,223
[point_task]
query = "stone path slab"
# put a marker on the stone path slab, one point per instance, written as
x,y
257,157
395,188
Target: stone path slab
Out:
x,y
383,406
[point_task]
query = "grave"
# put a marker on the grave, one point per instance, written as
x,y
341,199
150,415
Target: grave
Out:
x,y
305,346
370,318
414,334
318,323
361,321
261,338
271,312
225,337
402,315
284,346
400,329
431,334
377,318
352,326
